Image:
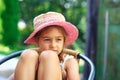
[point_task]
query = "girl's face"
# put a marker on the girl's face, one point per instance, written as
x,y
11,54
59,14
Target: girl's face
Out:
x,y
52,39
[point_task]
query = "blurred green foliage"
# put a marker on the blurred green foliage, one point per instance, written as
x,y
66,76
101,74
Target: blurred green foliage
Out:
x,y
2,7
10,17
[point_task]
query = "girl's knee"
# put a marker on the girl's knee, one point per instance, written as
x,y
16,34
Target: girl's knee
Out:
x,y
29,55
48,55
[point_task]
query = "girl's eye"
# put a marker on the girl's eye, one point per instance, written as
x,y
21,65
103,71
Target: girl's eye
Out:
x,y
59,39
46,39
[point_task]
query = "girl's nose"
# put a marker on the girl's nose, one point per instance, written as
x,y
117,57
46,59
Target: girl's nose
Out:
x,y
53,44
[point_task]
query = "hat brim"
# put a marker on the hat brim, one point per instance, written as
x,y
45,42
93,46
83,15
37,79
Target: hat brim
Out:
x,y
71,30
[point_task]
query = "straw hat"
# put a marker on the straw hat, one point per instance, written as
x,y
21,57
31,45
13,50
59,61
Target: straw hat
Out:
x,y
53,18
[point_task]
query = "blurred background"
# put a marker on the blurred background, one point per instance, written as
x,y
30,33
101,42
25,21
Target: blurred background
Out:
x,y
98,22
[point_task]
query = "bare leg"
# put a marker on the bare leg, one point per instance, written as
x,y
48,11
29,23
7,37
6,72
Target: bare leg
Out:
x,y
72,69
26,67
49,66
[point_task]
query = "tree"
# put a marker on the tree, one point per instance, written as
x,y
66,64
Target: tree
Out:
x,y
10,18
2,7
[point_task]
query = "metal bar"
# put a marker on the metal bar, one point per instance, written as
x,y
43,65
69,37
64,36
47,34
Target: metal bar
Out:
x,y
91,65
12,55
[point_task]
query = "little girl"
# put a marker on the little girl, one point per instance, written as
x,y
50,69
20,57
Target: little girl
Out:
x,y
52,34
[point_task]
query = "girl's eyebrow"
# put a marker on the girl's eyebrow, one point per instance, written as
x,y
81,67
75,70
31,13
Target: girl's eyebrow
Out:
x,y
49,37
44,37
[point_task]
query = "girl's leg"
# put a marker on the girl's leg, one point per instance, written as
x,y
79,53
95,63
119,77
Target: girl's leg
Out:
x,y
72,69
26,67
49,66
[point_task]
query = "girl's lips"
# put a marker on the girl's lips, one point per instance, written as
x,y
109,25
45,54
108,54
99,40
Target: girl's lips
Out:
x,y
55,51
